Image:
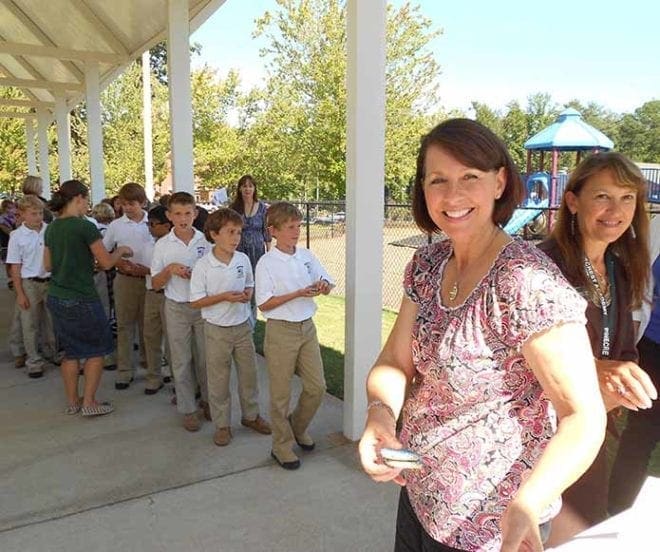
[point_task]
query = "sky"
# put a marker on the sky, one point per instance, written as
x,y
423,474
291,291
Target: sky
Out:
x,y
495,51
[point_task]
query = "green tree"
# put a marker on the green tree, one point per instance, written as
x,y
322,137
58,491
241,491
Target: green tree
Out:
x,y
302,124
13,156
639,133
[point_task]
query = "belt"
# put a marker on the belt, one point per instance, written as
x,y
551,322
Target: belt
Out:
x,y
132,275
40,280
157,290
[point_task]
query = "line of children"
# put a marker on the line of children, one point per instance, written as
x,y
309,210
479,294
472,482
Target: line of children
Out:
x,y
221,286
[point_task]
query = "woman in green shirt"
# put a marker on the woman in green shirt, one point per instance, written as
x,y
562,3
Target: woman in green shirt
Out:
x,y
72,245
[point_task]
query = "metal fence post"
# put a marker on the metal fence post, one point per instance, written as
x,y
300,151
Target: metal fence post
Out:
x,y
307,224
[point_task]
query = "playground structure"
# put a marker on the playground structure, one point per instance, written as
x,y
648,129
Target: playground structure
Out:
x,y
569,133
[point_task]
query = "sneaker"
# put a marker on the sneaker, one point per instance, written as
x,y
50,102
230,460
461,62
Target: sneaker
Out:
x,y
191,422
258,424
98,409
19,361
34,374
222,436
152,390
287,464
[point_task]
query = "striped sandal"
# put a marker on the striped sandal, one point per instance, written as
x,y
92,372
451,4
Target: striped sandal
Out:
x,y
98,409
72,409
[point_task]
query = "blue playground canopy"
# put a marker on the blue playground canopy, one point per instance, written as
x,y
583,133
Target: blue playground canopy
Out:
x,y
569,133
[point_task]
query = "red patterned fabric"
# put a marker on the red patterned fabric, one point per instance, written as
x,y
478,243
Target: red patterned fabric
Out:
x,y
476,412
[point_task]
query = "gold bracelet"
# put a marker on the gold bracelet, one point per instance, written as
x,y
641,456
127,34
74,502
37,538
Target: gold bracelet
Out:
x,y
381,404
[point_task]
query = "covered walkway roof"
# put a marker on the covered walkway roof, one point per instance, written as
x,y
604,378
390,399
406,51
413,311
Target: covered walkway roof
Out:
x,y
44,46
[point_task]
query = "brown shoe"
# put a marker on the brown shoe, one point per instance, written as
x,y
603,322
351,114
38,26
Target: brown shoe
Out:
x,y
222,436
191,422
206,409
258,424
19,361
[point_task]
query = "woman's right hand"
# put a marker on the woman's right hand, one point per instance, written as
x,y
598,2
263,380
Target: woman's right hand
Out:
x,y
624,383
379,432
125,251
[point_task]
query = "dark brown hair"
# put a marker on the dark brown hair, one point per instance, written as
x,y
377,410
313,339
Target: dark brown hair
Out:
x,y
475,146
219,218
631,248
238,204
132,192
68,191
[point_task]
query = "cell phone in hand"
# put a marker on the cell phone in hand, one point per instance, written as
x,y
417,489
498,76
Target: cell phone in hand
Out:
x,y
405,459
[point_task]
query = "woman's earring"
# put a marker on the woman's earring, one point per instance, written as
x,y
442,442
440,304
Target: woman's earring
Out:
x,y
632,232
573,225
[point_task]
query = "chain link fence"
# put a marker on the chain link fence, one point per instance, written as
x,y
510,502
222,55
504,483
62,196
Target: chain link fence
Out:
x,y
324,233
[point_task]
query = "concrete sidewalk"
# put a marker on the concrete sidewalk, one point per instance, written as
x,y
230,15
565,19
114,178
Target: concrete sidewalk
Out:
x,y
136,480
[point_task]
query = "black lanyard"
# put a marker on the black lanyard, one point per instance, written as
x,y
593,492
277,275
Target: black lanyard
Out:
x,y
608,313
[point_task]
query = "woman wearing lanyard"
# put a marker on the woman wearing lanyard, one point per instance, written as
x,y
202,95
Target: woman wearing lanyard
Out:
x,y
642,431
600,243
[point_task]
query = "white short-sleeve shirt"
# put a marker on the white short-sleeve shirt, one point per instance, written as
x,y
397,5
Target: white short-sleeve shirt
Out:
x,y
170,249
211,276
279,273
26,247
124,231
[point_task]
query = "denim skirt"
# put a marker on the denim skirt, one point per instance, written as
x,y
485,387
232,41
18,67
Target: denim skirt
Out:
x,y
81,327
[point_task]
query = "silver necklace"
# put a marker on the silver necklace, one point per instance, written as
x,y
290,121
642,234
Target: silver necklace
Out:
x,y
453,291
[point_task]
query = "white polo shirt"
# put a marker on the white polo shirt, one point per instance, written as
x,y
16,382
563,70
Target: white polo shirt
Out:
x,y
278,273
211,276
26,247
124,231
170,249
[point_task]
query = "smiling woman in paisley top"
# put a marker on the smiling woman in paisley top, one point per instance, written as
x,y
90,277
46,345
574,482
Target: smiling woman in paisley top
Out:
x,y
489,350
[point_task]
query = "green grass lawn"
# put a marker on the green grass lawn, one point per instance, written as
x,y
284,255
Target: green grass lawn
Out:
x,y
329,321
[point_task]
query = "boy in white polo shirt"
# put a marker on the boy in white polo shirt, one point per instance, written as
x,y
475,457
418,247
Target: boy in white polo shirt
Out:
x,y
221,285
132,230
287,279
25,254
174,257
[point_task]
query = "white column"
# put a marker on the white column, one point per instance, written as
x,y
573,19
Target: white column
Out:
x,y
178,57
365,173
146,126
94,131
43,120
29,146
63,138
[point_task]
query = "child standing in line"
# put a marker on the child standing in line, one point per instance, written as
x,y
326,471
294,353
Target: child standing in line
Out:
x,y
171,267
154,302
26,256
129,288
221,285
288,277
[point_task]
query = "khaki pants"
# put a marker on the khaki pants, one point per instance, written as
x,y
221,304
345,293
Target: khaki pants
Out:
x,y
154,303
16,333
129,295
185,334
101,285
36,323
223,344
292,348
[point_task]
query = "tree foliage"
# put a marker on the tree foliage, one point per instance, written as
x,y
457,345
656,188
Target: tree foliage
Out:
x,y
290,132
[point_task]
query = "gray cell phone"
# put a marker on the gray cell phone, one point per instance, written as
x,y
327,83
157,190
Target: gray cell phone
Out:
x,y
405,459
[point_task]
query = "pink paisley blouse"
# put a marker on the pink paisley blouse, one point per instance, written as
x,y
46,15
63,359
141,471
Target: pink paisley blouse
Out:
x,y
476,412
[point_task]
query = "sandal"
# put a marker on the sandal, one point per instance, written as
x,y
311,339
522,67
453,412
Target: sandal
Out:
x,y
98,409
72,409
